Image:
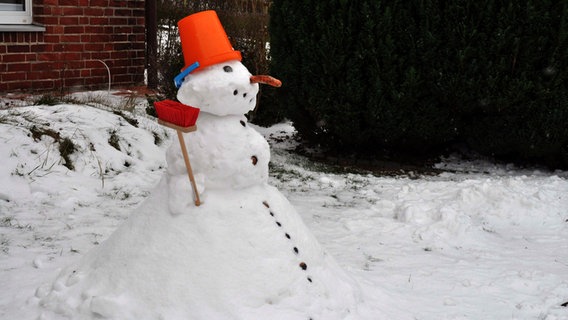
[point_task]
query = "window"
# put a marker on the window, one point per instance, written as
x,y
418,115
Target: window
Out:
x,y
15,11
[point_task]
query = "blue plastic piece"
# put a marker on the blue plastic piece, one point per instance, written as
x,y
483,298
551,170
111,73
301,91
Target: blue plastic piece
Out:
x,y
178,80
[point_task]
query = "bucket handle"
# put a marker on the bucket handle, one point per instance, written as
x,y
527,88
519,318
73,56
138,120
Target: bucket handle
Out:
x,y
178,80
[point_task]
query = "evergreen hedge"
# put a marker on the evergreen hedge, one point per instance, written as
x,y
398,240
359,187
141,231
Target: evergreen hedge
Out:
x,y
416,77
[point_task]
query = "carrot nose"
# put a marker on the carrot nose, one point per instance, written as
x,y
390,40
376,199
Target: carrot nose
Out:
x,y
271,81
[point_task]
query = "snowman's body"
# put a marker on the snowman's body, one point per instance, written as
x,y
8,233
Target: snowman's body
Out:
x,y
225,153
243,254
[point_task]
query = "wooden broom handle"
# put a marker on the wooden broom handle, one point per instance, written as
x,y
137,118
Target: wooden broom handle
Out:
x,y
188,166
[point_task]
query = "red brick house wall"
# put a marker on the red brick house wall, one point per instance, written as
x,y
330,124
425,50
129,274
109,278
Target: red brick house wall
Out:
x,y
78,35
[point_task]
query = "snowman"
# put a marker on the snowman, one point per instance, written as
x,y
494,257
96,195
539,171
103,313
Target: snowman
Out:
x,y
243,253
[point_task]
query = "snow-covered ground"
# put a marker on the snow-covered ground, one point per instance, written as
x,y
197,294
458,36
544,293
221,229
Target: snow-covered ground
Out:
x,y
480,241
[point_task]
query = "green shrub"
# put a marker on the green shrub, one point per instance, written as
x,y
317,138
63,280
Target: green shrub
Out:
x,y
416,77
520,107
170,57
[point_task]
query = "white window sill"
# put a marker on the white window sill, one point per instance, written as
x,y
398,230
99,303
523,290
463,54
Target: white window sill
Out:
x,y
21,28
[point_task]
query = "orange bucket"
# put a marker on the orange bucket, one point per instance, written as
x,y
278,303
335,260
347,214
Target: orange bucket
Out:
x,y
203,40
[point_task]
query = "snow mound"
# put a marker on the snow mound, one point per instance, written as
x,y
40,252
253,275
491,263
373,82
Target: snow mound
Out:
x,y
218,261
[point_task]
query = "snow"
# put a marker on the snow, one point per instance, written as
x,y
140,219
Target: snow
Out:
x,y
479,241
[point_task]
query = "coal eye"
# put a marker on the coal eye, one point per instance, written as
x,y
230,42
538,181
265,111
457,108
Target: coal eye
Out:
x,y
228,69
235,92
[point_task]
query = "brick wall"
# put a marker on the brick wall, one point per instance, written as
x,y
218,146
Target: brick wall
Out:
x,y
79,35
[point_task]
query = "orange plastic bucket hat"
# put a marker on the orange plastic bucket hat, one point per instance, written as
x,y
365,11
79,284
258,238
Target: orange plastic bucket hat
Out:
x,y
204,42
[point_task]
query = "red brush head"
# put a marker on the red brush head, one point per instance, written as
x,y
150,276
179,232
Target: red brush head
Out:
x,y
176,113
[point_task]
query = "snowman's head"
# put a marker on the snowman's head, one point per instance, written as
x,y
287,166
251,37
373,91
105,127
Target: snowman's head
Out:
x,y
221,89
